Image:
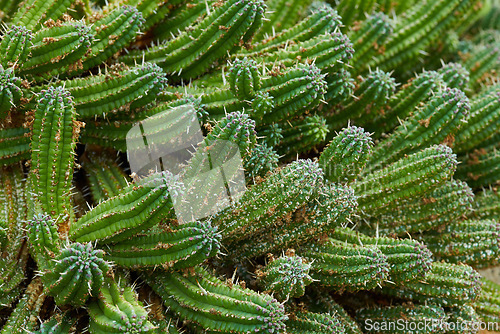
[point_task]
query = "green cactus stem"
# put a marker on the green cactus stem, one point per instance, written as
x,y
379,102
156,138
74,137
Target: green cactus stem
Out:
x,y
118,311
346,155
408,259
480,167
54,135
152,11
14,145
114,92
300,178
462,320
15,46
321,20
285,277
340,86
57,324
106,177
113,31
204,301
345,266
181,17
368,37
34,13
329,207
446,284
422,319
303,322
10,91
27,309
280,15
244,79
372,92
44,239
192,52
417,90
262,160
302,135
412,176
447,203
482,122
487,205
486,305
351,11
473,242
482,62
138,207
437,122
422,24
455,75
78,273
182,246
56,50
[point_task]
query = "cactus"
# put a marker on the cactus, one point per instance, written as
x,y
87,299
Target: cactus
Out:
x,y
10,91
77,274
286,276
182,246
446,284
203,300
346,155
346,267
118,312
54,135
363,186
471,242
385,319
15,46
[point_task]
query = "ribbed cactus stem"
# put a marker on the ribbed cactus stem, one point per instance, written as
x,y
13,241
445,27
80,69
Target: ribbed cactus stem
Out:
x,y
372,92
408,260
480,167
209,304
44,239
455,75
137,207
418,89
346,155
262,160
302,135
118,311
345,266
57,50
368,37
473,242
486,305
487,205
10,91
78,273
482,122
192,52
53,141
411,176
15,46
446,284
181,246
14,145
330,207
447,203
301,321
300,178
437,122
113,31
244,78
36,12
285,277
340,86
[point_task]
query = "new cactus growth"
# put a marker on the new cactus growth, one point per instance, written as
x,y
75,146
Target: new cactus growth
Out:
x,y
249,166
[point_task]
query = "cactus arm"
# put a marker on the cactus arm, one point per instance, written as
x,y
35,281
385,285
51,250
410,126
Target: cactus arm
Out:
x,y
36,12
455,75
480,168
15,46
14,146
10,91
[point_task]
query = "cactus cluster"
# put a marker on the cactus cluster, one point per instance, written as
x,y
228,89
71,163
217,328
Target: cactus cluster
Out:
x,y
363,194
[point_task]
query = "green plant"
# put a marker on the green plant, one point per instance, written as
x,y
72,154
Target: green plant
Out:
x,y
368,134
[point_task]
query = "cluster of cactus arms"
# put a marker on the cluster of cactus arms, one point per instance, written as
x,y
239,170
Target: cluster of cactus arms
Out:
x,y
366,194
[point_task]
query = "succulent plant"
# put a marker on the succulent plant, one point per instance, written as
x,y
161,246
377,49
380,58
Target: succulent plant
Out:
x,y
249,166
